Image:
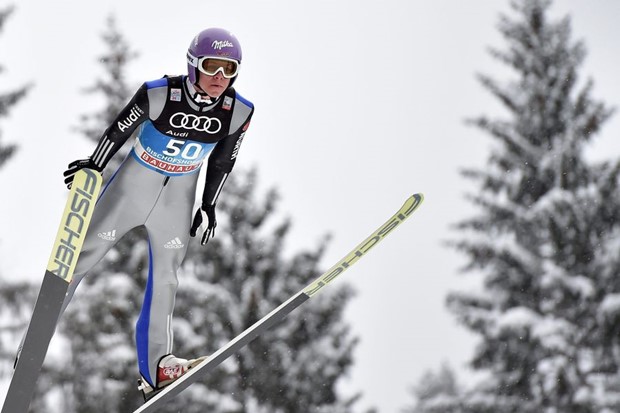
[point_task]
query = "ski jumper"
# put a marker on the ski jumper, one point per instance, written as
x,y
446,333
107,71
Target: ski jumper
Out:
x,y
155,186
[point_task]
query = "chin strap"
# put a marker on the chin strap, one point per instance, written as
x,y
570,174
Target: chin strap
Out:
x,y
198,95
203,98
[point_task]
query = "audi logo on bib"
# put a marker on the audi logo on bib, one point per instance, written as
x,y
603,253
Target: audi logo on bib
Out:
x,y
198,123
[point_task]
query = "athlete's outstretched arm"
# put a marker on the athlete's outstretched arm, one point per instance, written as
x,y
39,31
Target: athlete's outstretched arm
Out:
x,y
126,122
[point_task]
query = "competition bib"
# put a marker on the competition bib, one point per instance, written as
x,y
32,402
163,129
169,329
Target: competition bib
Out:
x,y
168,155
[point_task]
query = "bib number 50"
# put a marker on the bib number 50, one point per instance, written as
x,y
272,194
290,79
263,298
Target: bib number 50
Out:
x,y
177,147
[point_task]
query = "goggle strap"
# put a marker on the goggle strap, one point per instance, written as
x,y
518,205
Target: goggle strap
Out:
x,y
192,60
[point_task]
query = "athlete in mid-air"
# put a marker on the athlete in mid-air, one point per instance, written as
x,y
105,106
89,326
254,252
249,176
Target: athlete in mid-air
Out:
x,y
177,122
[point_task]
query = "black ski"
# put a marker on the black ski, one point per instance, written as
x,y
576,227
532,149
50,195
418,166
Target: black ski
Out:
x,y
69,239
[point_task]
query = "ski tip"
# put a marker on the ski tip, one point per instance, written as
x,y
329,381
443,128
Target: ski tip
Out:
x,y
413,202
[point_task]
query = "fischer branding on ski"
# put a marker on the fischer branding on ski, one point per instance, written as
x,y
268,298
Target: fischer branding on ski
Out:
x,y
70,236
67,246
361,250
275,316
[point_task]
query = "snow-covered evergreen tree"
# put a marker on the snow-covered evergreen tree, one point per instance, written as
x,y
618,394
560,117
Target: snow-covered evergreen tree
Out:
x,y
436,392
10,98
545,242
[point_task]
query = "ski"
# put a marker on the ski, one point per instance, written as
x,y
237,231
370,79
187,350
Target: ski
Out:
x,y
67,246
275,316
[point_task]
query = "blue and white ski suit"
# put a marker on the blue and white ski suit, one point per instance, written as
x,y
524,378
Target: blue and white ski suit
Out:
x,y
155,186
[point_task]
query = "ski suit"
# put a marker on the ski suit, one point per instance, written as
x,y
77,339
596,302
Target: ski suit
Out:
x,y
155,186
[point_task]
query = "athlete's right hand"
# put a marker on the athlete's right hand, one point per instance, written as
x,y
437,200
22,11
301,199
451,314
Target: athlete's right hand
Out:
x,y
75,166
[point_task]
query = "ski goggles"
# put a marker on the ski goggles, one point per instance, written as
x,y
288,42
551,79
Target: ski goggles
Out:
x,y
212,65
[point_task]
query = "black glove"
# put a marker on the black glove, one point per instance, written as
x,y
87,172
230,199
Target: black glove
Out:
x,y
75,166
204,219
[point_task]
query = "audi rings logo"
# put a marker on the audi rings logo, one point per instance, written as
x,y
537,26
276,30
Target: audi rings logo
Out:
x,y
199,123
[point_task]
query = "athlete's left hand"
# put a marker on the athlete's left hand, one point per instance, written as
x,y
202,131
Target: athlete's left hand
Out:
x,y
204,219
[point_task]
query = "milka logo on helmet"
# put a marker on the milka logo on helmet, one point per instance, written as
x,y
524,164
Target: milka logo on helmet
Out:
x,y
198,123
220,44
135,113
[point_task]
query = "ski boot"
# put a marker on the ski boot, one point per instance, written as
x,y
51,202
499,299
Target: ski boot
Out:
x,y
170,368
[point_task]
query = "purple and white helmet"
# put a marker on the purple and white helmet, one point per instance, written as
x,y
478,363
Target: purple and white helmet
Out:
x,y
214,42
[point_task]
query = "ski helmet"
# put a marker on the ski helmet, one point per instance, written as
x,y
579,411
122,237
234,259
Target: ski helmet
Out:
x,y
213,42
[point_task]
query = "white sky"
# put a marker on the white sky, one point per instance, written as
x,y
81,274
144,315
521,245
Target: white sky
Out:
x,y
358,104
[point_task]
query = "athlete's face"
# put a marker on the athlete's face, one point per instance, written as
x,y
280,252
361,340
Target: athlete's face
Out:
x,y
213,85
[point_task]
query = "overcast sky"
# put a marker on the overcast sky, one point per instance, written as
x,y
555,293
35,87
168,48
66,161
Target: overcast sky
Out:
x,y
358,105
